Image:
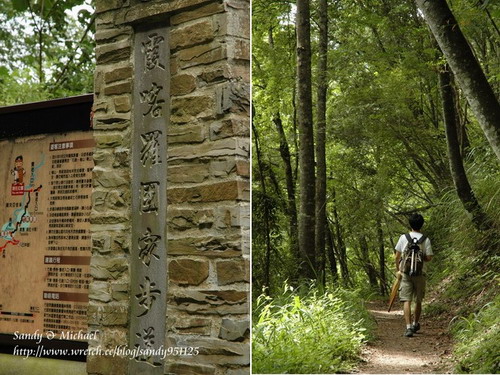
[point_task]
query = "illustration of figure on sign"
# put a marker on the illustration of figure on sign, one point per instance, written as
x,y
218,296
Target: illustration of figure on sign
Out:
x,y
18,172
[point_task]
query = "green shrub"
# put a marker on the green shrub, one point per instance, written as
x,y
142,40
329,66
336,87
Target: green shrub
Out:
x,y
478,340
435,309
315,333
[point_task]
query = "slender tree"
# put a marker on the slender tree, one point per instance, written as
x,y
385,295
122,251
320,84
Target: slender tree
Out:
x,y
321,131
381,257
267,262
462,185
465,67
331,253
306,139
290,185
340,243
367,263
291,206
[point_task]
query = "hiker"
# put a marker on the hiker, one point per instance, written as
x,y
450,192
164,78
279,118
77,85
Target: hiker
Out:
x,y
18,172
412,250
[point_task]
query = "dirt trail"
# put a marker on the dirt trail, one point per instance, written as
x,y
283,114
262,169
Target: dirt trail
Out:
x,y
427,352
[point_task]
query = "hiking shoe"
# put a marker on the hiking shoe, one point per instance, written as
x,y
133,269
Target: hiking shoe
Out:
x,y
415,327
409,332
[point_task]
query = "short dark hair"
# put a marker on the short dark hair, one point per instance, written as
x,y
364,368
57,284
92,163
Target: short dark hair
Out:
x,y
416,221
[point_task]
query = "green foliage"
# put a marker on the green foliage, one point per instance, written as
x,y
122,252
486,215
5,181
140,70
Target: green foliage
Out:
x,y
464,273
15,90
309,333
20,5
435,309
386,152
46,49
478,340
465,253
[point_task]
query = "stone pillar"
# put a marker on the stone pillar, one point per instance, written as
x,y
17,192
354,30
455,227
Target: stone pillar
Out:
x,y
206,151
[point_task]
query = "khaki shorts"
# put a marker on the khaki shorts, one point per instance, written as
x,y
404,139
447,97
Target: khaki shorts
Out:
x,y
412,288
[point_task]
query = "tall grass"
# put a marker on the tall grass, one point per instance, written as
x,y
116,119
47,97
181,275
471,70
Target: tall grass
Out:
x,y
478,340
309,333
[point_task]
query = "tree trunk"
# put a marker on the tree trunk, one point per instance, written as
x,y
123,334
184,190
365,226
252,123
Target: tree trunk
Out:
x,y
464,190
322,266
290,182
466,68
295,134
306,139
267,263
341,248
321,132
381,257
342,257
367,264
331,254
290,187
462,121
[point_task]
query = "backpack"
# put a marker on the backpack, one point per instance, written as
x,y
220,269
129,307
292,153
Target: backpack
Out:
x,y
412,262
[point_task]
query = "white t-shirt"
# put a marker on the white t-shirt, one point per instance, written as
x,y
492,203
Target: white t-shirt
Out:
x,y
425,246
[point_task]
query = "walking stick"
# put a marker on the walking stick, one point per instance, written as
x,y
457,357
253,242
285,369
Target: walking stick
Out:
x,y
394,290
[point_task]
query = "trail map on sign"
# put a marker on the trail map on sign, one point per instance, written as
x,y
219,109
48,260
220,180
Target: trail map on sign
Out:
x,y
20,219
45,202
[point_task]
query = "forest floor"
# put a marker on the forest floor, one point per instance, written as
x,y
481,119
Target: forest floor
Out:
x,y
427,352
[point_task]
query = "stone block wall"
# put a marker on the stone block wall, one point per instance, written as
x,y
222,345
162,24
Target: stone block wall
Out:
x,y
208,214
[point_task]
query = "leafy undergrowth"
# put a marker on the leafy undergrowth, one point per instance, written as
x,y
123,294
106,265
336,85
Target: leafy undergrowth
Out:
x,y
473,316
464,278
469,301
315,333
478,340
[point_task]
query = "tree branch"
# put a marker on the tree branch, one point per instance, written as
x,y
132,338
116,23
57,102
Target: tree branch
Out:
x,y
59,80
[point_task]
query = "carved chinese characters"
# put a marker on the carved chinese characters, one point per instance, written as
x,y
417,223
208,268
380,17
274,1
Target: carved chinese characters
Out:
x,y
148,265
152,100
151,50
147,295
147,246
149,196
147,340
150,152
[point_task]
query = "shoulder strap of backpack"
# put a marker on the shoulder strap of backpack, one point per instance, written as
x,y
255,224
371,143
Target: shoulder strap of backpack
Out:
x,y
408,237
422,239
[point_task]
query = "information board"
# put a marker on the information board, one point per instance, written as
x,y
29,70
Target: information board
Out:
x,y
45,242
